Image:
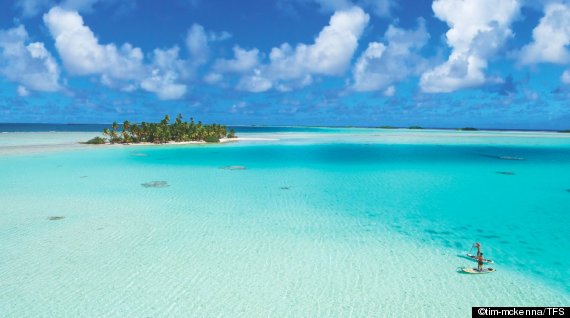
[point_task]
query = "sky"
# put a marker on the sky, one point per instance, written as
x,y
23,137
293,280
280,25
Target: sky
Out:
x,y
441,63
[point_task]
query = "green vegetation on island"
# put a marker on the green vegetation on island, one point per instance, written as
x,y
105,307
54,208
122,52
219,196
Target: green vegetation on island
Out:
x,y
163,132
388,127
96,141
467,129
567,131
415,127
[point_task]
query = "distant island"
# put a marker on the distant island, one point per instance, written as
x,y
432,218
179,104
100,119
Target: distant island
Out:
x,y
163,132
567,131
415,127
467,129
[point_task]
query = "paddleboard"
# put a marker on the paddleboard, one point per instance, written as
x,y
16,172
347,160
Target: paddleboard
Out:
x,y
469,270
474,257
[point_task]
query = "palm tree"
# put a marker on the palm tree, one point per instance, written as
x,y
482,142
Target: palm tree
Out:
x,y
114,136
107,133
125,132
135,133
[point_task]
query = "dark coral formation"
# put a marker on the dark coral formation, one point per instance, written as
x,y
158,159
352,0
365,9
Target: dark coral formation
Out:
x,y
507,173
155,184
55,218
233,168
510,158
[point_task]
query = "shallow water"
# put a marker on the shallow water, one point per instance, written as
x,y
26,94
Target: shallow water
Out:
x,y
319,225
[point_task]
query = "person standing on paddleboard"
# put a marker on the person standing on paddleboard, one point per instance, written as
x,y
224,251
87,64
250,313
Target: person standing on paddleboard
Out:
x,y
480,262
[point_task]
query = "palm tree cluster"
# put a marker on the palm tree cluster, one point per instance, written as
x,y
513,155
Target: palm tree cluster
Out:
x,y
164,132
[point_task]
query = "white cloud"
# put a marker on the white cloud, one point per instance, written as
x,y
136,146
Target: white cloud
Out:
x,y
242,62
28,64
478,30
329,55
213,78
123,67
254,83
566,77
22,91
390,91
82,54
289,67
197,43
164,85
382,65
165,73
550,38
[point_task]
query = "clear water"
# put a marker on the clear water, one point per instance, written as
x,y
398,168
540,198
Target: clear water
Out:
x,y
318,224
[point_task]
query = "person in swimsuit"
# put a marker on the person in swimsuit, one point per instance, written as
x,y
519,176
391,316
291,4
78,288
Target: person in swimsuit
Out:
x,y
480,262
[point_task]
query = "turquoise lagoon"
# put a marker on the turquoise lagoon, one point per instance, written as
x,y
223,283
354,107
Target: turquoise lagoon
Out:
x,y
308,223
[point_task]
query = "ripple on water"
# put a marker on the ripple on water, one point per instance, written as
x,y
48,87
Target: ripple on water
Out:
x,y
55,218
435,232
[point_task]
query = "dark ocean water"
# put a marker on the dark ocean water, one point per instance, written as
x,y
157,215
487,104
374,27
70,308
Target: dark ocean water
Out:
x,y
9,127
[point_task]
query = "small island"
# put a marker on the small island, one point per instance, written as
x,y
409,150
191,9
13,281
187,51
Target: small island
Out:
x,y
415,127
467,129
163,132
566,131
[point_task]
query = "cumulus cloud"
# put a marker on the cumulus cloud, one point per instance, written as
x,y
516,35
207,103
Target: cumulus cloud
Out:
x,y
122,67
566,77
243,61
29,64
478,30
81,52
382,65
289,66
330,54
255,83
22,91
164,75
197,42
550,38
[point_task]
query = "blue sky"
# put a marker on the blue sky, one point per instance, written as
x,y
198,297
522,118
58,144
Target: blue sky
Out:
x,y
443,63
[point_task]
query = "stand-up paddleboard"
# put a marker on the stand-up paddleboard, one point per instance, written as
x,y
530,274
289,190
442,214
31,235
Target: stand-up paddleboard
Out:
x,y
469,270
474,257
